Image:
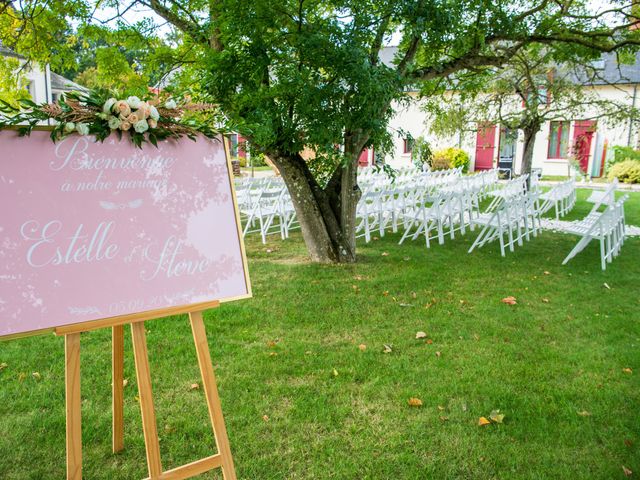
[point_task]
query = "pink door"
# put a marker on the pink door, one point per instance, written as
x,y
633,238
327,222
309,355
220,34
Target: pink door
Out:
x,y
363,160
582,135
485,146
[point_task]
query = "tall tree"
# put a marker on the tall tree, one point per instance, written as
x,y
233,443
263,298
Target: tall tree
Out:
x,y
295,74
538,84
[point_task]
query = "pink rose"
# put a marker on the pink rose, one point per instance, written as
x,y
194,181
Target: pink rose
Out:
x,y
124,126
133,118
152,123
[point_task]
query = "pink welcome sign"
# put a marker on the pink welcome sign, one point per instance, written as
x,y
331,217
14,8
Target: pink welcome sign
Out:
x,y
93,230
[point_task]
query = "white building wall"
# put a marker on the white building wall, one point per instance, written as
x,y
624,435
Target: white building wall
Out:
x,y
411,120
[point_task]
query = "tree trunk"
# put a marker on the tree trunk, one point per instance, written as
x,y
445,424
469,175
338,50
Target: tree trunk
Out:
x,y
327,222
530,133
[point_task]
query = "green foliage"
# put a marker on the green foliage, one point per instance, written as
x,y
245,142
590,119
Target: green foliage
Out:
x,y
13,82
621,153
627,171
258,160
421,152
451,157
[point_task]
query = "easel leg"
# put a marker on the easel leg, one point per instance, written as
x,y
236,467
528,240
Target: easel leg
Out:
x,y
117,388
211,393
73,406
143,374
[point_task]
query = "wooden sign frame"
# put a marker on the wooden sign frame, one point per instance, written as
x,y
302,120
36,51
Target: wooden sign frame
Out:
x,y
72,333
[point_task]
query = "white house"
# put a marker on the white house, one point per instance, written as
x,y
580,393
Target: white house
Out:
x,y
43,84
492,146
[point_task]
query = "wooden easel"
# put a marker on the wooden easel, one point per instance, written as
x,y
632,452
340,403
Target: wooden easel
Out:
x,y
222,459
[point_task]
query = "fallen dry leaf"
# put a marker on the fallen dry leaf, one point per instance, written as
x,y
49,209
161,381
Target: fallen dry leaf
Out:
x,y
429,341
483,421
3,366
405,305
385,293
545,300
496,416
547,273
358,277
444,419
438,354
362,347
509,300
22,376
355,288
194,386
273,354
125,382
628,442
36,375
265,418
335,372
415,402
414,295
271,343
421,335
606,285
627,370
387,348
584,413
626,471
385,254
441,408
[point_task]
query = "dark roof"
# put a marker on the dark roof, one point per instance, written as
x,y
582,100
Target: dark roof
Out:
x,y
607,70
58,82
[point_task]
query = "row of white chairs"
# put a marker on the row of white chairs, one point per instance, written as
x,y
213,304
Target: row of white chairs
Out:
x,y
266,207
608,226
561,197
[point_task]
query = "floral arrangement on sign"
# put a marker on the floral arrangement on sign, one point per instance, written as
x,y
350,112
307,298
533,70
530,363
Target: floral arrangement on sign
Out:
x,y
101,114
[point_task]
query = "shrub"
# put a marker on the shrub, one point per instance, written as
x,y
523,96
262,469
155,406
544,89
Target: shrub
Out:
x,y
451,157
257,160
620,154
627,171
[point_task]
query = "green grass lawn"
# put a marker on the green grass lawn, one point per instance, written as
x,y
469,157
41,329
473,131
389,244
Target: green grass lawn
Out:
x,y
553,364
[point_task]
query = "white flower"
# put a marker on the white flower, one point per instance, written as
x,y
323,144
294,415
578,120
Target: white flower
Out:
x,y
108,105
114,123
134,102
170,104
82,128
69,127
153,113
141,126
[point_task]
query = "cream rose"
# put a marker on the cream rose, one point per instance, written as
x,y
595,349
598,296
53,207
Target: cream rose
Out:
x,y
144,110
122,108
133,118
152,123
124,126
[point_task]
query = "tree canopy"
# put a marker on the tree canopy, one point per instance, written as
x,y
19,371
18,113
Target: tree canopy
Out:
x,y
295,74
